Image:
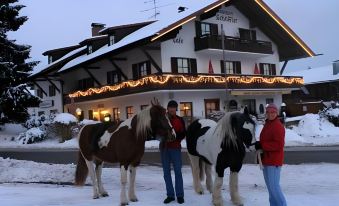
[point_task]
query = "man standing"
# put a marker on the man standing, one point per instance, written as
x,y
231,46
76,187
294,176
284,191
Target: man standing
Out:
x,y
272,140
171,154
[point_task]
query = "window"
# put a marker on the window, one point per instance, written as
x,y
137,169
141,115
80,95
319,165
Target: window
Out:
x,y
205,29
89,49
144,106
269,100
113,77
231,67
116,114
129,112
211,105
39,93
267,69
184,65
86,83
90,114
50,59
51,91
111,40
141,69
246,34
186,111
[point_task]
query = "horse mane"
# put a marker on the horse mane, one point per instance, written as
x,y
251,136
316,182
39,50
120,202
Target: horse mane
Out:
x,y
143,122
224,130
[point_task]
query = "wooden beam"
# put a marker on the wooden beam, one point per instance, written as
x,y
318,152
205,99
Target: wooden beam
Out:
x,y
119,59
118,69
153,62
283,68
92,76
92,67
52,83
43,91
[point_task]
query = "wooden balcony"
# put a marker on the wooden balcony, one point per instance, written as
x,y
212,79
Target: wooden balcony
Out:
x,y
187,82
233,44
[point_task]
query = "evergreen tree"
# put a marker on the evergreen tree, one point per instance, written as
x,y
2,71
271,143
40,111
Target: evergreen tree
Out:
x,y
14,69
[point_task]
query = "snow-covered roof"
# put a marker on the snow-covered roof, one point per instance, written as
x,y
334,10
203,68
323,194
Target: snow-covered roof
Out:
x,y
144,32
40,68
316,75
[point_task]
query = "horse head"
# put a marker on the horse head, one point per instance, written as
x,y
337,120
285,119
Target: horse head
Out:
x,y
244,127
160,124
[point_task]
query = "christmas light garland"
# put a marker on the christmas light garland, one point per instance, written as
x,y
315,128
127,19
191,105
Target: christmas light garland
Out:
x,y
163,79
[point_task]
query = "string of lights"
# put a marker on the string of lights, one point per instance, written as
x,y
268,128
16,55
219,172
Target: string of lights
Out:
x,y
182,79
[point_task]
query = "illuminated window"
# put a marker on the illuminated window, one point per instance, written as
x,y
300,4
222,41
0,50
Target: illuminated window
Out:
x,y
186,111
211,105
129,111
116,114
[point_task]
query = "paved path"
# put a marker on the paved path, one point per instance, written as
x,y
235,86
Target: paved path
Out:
x,y
293,155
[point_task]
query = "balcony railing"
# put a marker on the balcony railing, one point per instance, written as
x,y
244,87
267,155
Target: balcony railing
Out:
x,y
185,81
233,44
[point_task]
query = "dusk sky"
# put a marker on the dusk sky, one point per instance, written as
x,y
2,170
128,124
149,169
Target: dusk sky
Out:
x,y
59,23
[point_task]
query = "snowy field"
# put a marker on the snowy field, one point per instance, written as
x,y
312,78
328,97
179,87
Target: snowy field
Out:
x,y
311,131
26,183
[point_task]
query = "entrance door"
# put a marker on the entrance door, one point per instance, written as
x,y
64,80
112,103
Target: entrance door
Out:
x,y
251,106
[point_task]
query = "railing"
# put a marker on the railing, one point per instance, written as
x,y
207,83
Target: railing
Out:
x,y
187,81
233,44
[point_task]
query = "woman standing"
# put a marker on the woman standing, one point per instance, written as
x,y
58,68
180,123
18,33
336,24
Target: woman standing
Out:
x,y
272,140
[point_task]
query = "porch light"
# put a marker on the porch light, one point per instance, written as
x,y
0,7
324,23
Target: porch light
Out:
x,y
107,117
78,111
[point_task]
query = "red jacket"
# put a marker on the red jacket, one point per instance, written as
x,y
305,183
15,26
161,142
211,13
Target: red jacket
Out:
x,y
272,140
179,128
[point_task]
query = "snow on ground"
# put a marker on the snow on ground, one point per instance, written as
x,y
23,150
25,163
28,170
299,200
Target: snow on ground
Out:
x,y
306,184
311,131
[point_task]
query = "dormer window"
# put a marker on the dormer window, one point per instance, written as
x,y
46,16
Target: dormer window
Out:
x,y
111,40
89,49
50,59
247,34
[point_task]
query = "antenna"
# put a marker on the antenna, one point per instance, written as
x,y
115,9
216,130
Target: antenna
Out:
x,y
155,8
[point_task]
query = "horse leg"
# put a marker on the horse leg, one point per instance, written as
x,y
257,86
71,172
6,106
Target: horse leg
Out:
x,y
123,180
209,182
196,174
131,188
98,171
234,189
91,171
216,194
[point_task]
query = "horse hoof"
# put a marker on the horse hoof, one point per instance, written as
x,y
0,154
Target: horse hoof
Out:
x,y
134,199
95,197
201,193
104,195
124,204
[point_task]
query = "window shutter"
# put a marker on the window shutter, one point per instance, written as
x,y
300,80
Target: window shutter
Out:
x,y
222,67
193,66
174,65
237,67
148,67
261,66
214,29
274,72
198,29
253,35
135,71
109,77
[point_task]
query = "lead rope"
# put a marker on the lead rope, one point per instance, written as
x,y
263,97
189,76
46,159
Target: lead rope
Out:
x,y
258,158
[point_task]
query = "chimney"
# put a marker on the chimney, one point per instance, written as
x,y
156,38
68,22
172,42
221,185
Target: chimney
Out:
x,y
335,67
96,27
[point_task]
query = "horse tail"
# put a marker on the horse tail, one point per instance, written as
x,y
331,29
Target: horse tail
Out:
x,y
201,169
81,171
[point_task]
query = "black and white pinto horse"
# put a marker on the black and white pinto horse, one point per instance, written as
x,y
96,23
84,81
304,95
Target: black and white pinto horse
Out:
x,y
222,145
123,144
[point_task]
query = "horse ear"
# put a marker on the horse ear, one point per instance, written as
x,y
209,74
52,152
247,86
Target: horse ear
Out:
x,y
246,111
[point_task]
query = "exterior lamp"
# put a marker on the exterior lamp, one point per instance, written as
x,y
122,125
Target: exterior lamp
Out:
x,y
107,117
78,111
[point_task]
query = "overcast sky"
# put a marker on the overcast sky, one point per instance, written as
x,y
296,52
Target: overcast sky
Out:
x,y
58,23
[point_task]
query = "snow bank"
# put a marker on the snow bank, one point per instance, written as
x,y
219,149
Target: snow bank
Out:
x,y
13,128
65,118
312,125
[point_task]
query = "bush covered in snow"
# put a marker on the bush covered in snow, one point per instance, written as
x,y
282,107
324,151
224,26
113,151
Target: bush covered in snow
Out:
x,y
64,123
331,114
32,135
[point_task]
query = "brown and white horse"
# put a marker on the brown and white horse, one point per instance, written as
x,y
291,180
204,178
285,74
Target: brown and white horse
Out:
x,y
123,144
